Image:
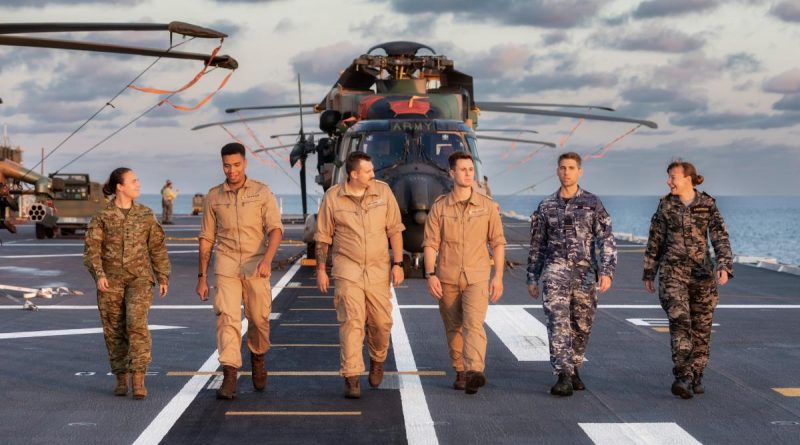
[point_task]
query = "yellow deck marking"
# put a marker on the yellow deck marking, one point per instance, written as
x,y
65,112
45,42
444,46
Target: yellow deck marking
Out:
x,y
788,392
310,324
316,297
311,309
293,413
308,262
304,345
661,329
305,373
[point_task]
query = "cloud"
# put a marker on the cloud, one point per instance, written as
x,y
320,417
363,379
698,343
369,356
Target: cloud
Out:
x,y
784,83
321,65
736,121
392,28
555,37
648,100
42,3
656,39
742,63
660,8
787,10
499,61
539,13
789,102
285,25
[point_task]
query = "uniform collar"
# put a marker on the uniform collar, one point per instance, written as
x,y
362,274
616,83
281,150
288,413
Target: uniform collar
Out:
x,y
111,206
247,183
346,190
451,198
557,194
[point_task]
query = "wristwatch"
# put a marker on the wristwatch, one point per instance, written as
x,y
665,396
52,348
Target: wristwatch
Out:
x,y
201,275
397,263
429,274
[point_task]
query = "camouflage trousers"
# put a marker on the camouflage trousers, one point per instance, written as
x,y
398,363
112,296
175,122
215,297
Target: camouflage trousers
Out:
x,y
570,302
689,297
123,311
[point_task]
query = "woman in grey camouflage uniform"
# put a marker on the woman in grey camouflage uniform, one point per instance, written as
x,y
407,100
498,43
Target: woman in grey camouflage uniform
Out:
x,y
124,248
678,250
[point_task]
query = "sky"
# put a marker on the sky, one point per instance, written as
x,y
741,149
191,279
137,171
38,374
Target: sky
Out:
x,y
721,78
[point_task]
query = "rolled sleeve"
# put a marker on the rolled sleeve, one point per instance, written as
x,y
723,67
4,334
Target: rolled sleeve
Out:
x,y
432,237
394,224
324,233
271,215
496,235
208,225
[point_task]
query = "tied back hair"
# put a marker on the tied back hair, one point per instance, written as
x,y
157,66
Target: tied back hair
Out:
x,y
115,178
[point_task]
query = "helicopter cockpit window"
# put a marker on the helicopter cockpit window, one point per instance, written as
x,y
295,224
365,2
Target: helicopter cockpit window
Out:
x,y
386,149
437,147
473,148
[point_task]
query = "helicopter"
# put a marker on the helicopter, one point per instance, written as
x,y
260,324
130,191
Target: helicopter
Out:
x,y
410,112
67,201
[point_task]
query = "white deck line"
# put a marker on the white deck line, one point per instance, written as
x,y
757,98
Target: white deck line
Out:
x,y
82,331
416,415
170,414
521,332
638,434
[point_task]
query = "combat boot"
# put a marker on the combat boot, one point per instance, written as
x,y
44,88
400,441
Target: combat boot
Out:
x,y
577,383
563,386
122,384
227,390
475,379
697,384
680,387
352,387
259,373
9,226
139,391
375,373
461,380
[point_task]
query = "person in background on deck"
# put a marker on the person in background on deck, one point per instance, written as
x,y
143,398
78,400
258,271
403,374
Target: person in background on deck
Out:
x,y
357,218
677,250
241,216
574,254
124,248
167,198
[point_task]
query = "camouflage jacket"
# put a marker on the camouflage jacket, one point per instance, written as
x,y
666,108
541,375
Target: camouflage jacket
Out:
x,y
569,234
134,244
679,235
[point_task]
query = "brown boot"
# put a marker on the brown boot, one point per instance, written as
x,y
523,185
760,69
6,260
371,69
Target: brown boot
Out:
x,y
139,391
122,384
259,369
375,373
228,388
352,387
461,380
475,379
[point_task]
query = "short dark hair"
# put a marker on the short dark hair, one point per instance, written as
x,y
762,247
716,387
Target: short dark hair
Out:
x,y
232,149
353,160
570,155
454,158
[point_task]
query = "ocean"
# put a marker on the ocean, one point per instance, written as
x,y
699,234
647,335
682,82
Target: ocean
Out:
x,y
762,226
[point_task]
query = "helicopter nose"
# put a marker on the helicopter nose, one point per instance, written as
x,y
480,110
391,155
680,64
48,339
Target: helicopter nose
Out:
x,y
420,217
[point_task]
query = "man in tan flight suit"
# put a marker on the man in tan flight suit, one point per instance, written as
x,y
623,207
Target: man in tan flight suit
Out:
x,y
357,217
459,227
239,215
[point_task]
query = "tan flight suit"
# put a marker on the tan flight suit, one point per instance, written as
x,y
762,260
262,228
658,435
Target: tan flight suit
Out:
x,y
359,228
460,232
239,221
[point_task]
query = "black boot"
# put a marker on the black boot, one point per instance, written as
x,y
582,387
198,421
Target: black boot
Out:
x,y
697,384
680,387
577,383
563,386
475,379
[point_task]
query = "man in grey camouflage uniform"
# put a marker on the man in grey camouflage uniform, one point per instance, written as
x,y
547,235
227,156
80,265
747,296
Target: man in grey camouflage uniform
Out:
x,y
574,254
678,250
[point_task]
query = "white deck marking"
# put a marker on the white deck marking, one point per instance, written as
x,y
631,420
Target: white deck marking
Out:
x,y
626,306
59,332
638,434
171,252
164,421
417,416
662,322
521,332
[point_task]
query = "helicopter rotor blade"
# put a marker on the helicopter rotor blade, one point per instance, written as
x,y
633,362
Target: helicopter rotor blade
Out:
x,y
186,29
537,104
268,107
525,141
294,134
247,119
597,117
225,61
509,130
273,148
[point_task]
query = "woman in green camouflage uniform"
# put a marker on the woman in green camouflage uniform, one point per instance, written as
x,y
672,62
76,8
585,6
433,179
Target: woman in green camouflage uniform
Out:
x,y
678,250
124,249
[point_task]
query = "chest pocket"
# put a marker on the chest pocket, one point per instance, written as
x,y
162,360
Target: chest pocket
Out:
x,y
477,221
250,210
583,218
451,226
225,214
349,218
700,219
376,215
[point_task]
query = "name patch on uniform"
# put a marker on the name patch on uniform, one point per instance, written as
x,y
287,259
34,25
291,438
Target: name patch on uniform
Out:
x,y
475,212
700,210
376,203
251,197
